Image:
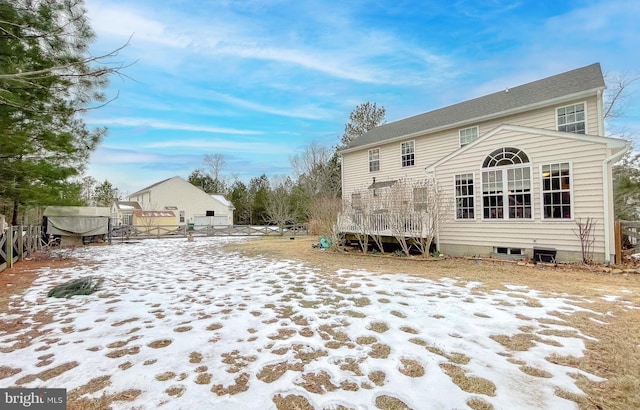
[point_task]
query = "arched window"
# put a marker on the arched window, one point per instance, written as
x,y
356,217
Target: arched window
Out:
x,y
505,156
506,185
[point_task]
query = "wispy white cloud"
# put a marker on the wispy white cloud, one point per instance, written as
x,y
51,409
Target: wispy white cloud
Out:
x,y
167,125
354,53
235,147
307,111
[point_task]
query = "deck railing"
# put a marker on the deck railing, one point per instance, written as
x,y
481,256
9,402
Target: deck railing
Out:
x,y
409,225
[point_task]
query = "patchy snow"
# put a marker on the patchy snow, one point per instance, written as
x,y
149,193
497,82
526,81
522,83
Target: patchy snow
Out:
x,y
259,327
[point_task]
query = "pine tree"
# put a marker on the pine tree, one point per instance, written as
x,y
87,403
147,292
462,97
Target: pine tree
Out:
x,y
47,79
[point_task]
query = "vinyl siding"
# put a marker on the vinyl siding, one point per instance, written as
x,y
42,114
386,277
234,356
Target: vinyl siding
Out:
x,y
431,147
585,160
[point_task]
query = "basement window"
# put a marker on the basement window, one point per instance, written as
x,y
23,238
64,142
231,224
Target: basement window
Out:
x,y
507,251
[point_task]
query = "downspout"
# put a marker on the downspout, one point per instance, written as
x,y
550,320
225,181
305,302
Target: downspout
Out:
x,y
600,104
607,200
431,173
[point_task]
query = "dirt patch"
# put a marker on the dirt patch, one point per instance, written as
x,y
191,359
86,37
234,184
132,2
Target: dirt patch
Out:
x,y
411,368
385,402
469,384
291,401
21,275
159,344
241,384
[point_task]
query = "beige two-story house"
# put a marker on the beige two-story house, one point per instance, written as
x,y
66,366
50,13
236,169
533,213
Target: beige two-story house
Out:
x,y
517,172
190,204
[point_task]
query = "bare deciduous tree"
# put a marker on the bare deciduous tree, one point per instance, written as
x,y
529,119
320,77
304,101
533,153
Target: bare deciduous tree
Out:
x,y
317,170
216,163
279,207
585,231
428,205
361,217
402,219
323,215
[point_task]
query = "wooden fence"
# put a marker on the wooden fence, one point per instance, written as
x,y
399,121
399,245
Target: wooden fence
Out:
x,y
627,238
16,242
122,233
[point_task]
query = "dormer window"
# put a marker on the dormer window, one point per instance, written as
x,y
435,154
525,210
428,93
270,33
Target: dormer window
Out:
x,y
572,118
468,135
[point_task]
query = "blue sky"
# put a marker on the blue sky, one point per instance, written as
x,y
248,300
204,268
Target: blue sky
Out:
x,y
257,81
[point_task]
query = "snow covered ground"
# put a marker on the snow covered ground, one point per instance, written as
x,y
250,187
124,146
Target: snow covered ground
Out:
x,y
185,325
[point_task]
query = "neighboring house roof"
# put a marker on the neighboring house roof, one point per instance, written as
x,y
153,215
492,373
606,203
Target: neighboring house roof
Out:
x,y
153,214
127,205
150,186
565,86
223,200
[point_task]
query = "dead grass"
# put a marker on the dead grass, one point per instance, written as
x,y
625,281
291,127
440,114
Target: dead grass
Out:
x,y
6,371
411,368
385,402
158,344
163,377
379,327
241,385
518,342
291,402
535,372
318,383
470,384
613,353
477,403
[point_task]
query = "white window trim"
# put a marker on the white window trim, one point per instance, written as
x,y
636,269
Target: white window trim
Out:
x,y
572,182
468,128
414,154
475,207
586,116
369,156
505,193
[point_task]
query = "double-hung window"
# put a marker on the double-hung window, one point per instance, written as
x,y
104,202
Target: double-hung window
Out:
x,y
465,207
506,185
468,135
572,118
420,198
408,154
356,201
374,160
556,191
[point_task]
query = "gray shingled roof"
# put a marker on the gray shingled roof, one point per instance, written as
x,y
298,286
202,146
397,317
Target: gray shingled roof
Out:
x,y
492,105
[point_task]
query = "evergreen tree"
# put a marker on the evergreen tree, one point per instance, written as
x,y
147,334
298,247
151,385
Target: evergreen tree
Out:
x,y
47,78
362,119
259,195
105,194
203,181
239,197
